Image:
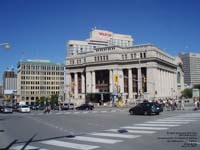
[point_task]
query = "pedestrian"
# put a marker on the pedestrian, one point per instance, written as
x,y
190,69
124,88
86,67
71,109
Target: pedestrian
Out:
x,y
48,109
198,105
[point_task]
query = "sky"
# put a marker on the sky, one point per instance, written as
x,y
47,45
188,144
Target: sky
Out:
x,y
40,29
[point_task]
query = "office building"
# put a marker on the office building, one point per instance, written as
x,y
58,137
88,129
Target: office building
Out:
x,y
39,78
9,80
191,67
98,38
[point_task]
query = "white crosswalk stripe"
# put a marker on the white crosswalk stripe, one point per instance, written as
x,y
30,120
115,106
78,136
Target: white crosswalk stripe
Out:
x,y
133,131
97,140
176,120
166,122
144,128
116,135
157,125
70,145
19,147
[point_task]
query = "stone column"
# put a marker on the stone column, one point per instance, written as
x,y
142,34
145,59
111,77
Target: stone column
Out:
x,y
130,84
76,85
83,85
88,82
111,81
68,85
139,80
93,82
121,82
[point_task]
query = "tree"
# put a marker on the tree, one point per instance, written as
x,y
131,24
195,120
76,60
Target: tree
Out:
x,y
187,93
196,86
54,100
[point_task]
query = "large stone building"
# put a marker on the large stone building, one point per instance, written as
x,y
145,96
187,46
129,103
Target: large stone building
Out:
x,y
39,78
128,72
191,67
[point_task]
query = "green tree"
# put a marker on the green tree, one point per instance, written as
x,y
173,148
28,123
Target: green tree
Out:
x,y
54,100
187,93
196,86
42,100
38,101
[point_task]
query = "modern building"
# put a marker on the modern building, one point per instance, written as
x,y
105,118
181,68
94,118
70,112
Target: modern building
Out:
x,y
98,38
9,84
116,72
191,67
39,78
9,79
180,76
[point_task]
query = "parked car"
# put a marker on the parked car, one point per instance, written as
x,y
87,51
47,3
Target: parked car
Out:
x,y
86,106
146,108
55,107
71,106
24,108
7,109
67,106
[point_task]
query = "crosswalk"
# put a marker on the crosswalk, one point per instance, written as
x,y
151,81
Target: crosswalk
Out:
x,y
95,140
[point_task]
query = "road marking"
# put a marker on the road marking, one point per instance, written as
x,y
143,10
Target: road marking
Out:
x,y
85,112
59,113
145,128
159,125
104,111
70,145
165,122
27,148
97,140
175,120
78,112
132,131
67,112
116,135
94,112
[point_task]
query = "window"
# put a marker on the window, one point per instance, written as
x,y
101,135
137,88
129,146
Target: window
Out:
x,y
144,55
179,77
107,57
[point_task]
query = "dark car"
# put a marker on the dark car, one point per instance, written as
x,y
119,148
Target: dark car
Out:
x,y
146,108
7,109
86,106
55,107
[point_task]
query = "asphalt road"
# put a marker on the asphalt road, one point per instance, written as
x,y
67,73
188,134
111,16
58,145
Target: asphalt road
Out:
x,y
102,130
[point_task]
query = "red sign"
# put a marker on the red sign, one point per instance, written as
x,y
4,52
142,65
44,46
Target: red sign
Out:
x,y
105,34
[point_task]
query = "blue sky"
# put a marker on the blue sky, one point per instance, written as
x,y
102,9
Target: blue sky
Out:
x,y
40,29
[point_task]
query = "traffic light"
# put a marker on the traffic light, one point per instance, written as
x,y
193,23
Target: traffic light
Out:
x,y
116,78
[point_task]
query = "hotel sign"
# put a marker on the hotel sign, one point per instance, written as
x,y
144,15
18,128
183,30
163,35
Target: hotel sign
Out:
x,y
105,34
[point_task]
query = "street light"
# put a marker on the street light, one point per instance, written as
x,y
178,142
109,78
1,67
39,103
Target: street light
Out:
x,y
6,45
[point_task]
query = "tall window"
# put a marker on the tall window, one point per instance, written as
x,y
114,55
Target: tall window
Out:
x,y
179,77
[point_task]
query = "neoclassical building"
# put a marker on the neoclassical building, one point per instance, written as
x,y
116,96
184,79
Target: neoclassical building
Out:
x,y
127,72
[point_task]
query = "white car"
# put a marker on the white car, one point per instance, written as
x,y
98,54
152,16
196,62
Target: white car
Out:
x,y
24,108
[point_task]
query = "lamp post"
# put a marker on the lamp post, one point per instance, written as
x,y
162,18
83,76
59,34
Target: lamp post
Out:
x,y
6,45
